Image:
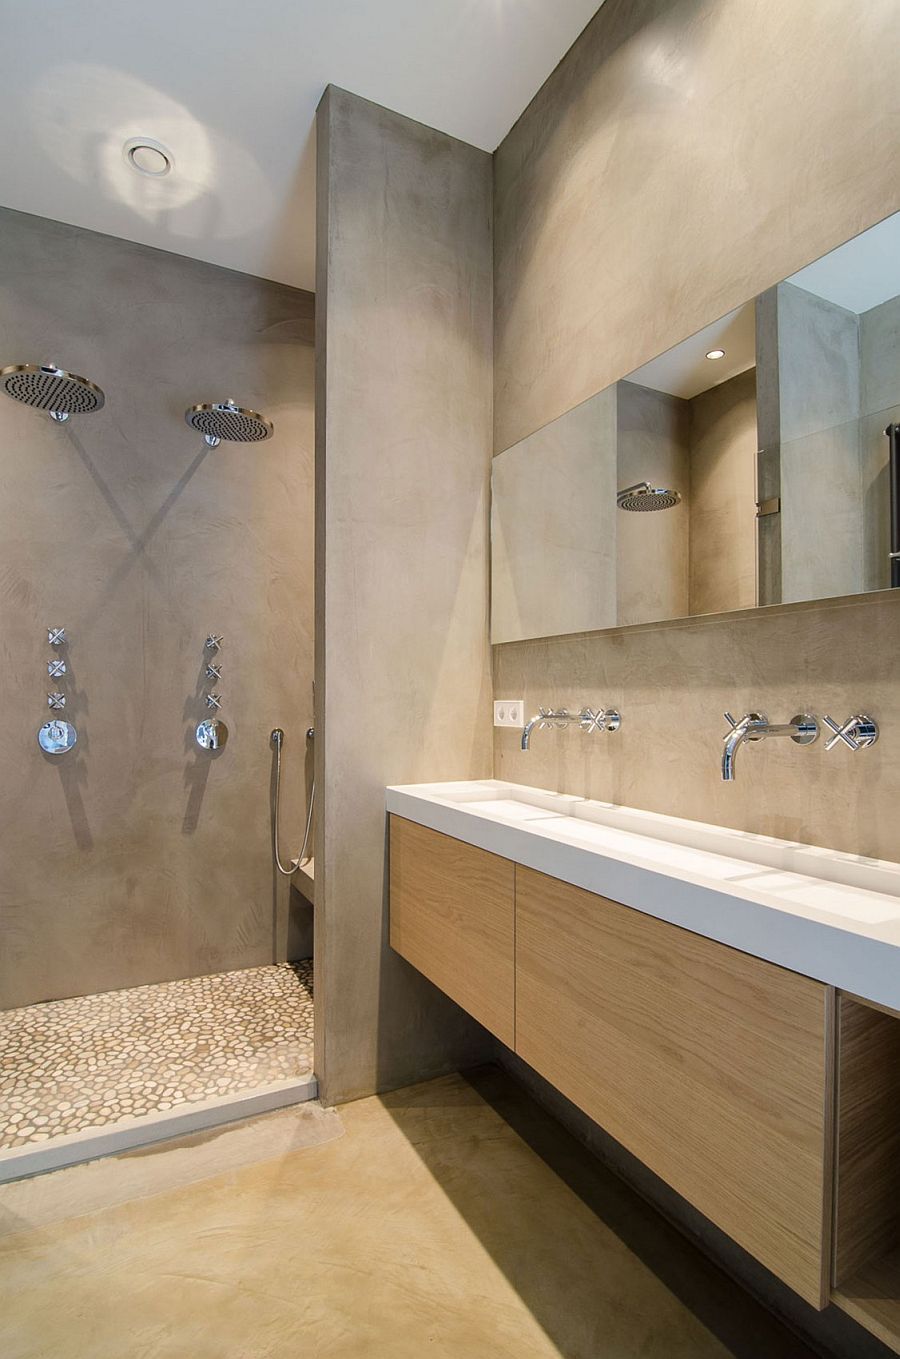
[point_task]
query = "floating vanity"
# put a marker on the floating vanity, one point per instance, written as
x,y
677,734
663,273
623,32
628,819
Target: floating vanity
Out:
x,y
727,1006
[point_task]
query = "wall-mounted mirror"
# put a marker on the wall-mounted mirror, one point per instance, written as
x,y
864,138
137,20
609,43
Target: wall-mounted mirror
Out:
x,y
748,465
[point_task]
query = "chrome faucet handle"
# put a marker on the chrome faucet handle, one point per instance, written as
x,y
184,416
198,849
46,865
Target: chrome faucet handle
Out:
x,y
56,667
214,701
213,672
56,636
604,719
213,642
552,717
56,701
858,732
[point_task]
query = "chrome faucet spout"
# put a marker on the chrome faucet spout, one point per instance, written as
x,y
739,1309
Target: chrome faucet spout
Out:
x,y
802,729
528,729
740,732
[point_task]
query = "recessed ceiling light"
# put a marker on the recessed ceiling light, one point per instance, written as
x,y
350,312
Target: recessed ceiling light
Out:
x,y
148,157
715,353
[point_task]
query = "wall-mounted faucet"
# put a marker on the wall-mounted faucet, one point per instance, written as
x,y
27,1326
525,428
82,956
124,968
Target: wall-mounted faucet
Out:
x,y
589,719
803,729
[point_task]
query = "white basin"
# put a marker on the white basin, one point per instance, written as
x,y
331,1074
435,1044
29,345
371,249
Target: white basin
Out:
x,y
830,915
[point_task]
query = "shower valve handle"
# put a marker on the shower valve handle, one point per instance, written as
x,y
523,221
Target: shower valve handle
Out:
x,y
213,642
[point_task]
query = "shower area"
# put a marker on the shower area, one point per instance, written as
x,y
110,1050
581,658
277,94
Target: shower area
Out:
x,y
156,598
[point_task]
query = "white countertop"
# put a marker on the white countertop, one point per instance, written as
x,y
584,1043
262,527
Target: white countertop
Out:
x,y
832,916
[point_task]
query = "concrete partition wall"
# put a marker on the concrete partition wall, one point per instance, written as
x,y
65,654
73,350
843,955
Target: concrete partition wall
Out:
x,y
403,454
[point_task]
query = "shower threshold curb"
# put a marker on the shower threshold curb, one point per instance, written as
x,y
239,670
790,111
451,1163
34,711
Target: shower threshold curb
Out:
x,y
90,1143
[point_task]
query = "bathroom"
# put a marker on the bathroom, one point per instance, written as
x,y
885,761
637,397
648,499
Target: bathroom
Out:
x,y
443,261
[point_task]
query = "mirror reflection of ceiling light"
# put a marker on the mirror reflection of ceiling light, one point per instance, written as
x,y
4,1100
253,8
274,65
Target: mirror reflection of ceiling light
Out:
x,y
148,157
715,353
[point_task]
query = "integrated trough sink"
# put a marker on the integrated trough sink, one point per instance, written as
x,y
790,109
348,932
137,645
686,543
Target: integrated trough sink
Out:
x,y
830,915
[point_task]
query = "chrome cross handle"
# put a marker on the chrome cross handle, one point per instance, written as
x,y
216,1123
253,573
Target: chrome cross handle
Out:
x,y
56,636
603,719
213,642
214,701
213,672
857,732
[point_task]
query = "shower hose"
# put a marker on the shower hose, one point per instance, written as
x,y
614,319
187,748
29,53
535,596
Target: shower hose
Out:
x,y
303,856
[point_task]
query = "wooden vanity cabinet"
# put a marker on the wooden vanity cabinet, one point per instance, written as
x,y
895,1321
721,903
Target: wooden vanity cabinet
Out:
x,y
867,1168
712,1067
453,918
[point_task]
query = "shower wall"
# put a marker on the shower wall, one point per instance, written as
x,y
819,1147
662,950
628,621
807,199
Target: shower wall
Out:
x,y
137,857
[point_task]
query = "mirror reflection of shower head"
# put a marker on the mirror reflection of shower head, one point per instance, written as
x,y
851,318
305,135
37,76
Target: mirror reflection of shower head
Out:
x,y
51,389
218,420
643,496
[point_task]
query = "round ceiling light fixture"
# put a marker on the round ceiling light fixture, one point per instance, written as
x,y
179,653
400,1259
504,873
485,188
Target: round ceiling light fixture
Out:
x,y
148,157
715,353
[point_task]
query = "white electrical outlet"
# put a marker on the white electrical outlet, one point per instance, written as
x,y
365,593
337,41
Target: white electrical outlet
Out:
x,y
509,712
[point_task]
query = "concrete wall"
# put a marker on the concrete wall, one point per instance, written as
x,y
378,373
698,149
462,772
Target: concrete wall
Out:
x,y
672,682
684,156
819,405
603,259
723,496
402,467
879,346
652,548
136,857
553,526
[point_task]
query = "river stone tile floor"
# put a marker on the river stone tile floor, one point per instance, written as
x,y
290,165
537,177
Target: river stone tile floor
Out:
x,y
67,1065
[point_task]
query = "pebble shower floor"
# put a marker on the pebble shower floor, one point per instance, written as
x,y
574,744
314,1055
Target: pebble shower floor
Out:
x,y
93,1061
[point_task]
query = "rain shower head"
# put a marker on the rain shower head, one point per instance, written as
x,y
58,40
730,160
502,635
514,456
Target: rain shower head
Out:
x,y
643,496
220,420
51,389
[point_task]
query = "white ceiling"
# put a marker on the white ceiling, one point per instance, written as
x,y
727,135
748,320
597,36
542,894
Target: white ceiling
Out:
x,y
684,370
231,88
860,274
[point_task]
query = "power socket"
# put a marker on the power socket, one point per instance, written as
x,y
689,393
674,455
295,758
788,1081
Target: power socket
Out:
x,y
509,712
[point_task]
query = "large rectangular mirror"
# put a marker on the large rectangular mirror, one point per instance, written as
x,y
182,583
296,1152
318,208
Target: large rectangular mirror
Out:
x,y
749,465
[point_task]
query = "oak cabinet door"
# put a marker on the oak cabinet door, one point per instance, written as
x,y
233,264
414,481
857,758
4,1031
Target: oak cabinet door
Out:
x,y
710,1066
452,914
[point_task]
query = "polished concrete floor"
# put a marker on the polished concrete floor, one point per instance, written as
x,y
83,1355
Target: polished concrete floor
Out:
x,y
449,1219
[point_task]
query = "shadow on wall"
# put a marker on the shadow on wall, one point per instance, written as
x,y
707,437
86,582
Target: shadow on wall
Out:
x,y
138,541
599,1275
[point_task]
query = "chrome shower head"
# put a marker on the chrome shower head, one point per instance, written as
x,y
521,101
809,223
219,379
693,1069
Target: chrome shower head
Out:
x,y
220,420
643,496
51,389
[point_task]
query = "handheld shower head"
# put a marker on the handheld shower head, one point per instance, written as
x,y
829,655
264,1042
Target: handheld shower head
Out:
x,y
643,496
218,420
51,389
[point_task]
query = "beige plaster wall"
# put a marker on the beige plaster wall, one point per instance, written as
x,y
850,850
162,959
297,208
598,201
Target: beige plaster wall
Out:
x,y
672,682
652,547
403,456
137,857
553,526
683,158
723,496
